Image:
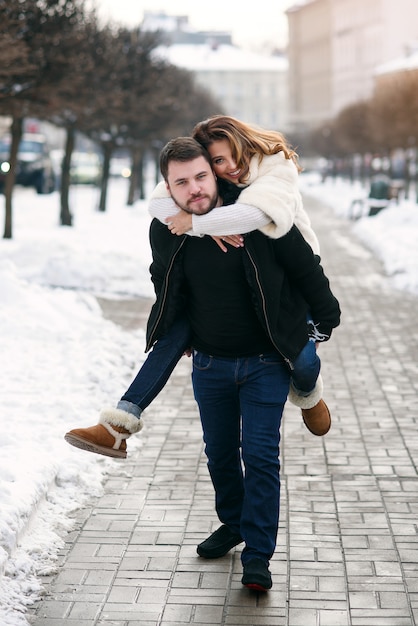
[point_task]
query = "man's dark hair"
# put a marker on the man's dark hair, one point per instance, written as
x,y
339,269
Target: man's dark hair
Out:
x,y
181,149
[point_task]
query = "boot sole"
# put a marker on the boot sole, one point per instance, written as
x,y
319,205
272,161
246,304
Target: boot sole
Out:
x,y
84,444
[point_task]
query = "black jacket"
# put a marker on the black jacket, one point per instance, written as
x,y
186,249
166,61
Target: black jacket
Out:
x,y
285,278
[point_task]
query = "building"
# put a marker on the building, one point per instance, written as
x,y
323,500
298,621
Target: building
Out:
x,y
249,86
406,63
310,64
334,49
176,29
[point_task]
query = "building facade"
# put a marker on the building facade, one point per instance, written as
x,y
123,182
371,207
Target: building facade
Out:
x,y
335,47
248,86
252,87
310,64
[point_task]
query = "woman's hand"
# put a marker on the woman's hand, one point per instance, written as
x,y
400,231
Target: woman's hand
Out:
x,y
180,223
234,240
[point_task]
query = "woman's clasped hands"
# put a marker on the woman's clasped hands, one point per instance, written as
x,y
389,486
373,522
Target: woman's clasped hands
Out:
x,y
182,222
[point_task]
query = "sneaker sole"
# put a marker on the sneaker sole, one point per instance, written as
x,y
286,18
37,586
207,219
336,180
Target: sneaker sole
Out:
x,y
256,587
83,444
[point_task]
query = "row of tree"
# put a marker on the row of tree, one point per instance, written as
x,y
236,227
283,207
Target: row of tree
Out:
x,y
59,64
384,124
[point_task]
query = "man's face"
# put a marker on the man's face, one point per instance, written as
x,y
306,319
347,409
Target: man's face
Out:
x,y
192,185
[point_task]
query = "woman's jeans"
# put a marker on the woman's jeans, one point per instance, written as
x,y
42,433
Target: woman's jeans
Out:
x,y
157,368
304,370
241,403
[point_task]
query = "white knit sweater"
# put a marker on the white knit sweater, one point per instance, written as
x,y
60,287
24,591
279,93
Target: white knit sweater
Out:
x,y
271,202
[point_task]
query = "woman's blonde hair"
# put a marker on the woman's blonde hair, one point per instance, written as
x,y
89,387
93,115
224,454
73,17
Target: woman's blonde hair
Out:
x,y
246,140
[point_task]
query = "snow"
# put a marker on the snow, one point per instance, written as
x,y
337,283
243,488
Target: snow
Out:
x,y
61,361
404,63
391,234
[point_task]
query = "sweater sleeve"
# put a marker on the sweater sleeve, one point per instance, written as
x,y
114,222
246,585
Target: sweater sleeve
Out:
x,y
160,191
305,271
162,205
161,208
232,219
271,203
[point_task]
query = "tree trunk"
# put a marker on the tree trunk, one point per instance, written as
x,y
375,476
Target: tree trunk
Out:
x,y
157,167
141,183
16,132
136,158
107,153
408,164
66,218
131,186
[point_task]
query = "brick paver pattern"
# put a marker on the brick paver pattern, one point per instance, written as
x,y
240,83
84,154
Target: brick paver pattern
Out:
x,y
347,549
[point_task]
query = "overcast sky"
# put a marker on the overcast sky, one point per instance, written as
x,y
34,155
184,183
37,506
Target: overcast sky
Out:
x,y
265,22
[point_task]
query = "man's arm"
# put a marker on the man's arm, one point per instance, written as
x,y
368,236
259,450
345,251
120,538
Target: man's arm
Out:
x,y
304,270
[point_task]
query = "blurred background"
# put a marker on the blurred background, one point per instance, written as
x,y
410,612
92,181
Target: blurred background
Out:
x,y
100,87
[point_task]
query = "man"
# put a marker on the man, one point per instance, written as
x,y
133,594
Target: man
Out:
x,y
247,311
116,425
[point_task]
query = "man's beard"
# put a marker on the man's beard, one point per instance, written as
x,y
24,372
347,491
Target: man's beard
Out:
x,y
193,209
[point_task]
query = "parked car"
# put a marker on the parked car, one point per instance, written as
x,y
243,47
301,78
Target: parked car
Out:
x,y
86,168
34,165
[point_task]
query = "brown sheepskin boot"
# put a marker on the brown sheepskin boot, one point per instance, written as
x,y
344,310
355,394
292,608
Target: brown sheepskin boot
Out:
x,y
315,413
317,419
108,437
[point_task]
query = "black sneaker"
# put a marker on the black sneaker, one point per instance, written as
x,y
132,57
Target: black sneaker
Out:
x,y
257,575
219,543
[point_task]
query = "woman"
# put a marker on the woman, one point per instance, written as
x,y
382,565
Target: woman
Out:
x,y
263,165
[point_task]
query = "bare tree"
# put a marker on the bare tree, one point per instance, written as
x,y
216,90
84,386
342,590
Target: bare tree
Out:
x,y
395,110
352,129
105,82
170,109
139,101
38,29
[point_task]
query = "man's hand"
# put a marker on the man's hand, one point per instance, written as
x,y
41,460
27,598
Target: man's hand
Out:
x,y
180,223
234,240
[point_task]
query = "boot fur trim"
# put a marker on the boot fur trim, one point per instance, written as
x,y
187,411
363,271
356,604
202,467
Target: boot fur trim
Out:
x,y
117,417
307,402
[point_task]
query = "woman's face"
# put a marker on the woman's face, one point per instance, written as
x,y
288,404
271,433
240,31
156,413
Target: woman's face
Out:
x,y
223,163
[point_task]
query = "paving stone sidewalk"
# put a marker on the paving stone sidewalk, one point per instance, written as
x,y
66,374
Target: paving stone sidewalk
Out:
x,y
347,552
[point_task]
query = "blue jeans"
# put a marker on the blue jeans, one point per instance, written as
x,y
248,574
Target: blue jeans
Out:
x,y
241,404
166,353
157,367
304,370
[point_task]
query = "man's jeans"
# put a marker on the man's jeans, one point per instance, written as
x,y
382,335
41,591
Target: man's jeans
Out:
x,y
241,403
157,368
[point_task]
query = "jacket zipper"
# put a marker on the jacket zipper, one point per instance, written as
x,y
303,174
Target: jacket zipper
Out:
x,y
253,263
164,297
